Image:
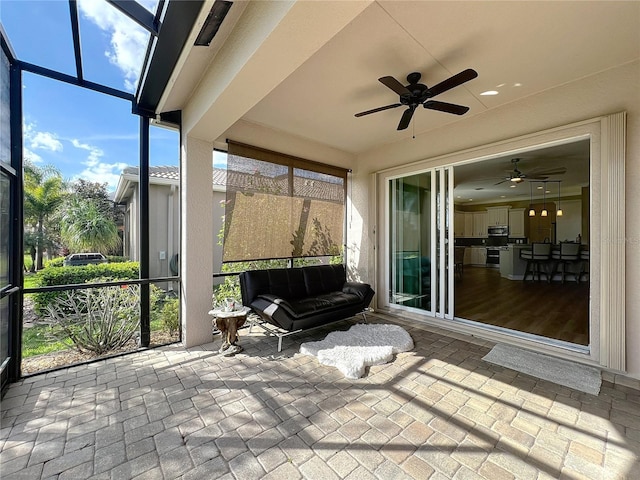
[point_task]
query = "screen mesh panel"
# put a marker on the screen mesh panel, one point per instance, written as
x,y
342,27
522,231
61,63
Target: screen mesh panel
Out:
x,y
278,206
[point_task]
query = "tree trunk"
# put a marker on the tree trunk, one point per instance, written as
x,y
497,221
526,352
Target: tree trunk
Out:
x,y
32,252
40,248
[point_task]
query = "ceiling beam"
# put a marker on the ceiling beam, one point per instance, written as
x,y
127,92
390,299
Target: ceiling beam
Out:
x,y
75,32
138,14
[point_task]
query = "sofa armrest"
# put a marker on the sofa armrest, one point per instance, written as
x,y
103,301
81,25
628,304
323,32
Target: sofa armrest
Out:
x,y
356,288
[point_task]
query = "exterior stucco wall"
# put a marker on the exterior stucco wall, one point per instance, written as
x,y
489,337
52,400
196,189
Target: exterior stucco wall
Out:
x,y
164,225
608,92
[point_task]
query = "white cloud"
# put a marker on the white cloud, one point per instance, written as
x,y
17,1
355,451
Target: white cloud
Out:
x,y
46,141
95,153
95,170
42,140
31,156
128,39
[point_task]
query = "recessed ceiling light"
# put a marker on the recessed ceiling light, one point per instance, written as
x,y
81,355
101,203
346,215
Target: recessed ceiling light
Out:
x,y
490,92
517,84
513,185
539,187
503,196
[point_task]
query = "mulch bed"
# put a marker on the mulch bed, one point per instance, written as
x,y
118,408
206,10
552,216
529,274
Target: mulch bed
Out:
x,y
63,358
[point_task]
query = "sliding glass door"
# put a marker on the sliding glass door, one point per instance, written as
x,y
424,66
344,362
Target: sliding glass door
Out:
x,y
420,260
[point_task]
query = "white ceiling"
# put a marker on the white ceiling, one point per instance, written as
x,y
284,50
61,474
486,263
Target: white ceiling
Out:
x,y
518,49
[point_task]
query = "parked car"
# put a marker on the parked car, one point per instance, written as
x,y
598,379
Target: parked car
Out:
x,y
76,259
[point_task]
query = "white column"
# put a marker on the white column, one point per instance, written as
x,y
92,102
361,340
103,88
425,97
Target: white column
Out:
x,y
197,241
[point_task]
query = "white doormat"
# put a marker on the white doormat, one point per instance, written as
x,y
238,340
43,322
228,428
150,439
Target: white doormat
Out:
x,y
563,372
362,345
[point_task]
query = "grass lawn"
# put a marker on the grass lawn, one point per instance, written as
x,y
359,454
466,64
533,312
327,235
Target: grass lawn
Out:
x,y
31,280
35,341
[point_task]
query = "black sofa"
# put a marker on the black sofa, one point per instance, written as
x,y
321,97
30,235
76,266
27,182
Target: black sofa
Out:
x,y
295,299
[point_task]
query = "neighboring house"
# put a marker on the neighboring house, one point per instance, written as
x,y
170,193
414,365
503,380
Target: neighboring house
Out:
x,y
164,216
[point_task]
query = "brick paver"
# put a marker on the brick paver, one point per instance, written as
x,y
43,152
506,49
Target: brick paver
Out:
x,y
436,412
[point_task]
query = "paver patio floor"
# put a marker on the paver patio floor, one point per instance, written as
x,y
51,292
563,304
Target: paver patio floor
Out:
x,y
436,412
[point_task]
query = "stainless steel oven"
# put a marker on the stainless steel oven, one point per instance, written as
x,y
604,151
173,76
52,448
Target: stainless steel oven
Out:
x,y
497,238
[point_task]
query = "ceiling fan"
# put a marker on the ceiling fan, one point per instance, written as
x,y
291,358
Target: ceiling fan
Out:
x,y
516,176
415,94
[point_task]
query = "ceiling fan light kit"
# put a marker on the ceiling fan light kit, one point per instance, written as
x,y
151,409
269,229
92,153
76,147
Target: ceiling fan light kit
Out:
x,y
415,94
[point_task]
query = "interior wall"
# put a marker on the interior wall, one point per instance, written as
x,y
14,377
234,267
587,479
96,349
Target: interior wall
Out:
x,y
602,94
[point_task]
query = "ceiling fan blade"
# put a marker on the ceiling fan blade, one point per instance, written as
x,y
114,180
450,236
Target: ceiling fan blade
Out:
x,y
505,180
379,109
446,107
550,171
451,82
394,85
406,118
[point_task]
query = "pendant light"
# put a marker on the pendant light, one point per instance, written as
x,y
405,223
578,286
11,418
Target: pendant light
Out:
x,y
544,212
532,212
559,211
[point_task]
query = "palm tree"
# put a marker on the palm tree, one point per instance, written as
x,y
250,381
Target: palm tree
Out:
x,y
86,227
43,194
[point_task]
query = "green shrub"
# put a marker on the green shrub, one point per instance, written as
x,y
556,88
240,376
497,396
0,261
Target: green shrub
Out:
x,y
117,259
102,272
98,320
170,315
54,262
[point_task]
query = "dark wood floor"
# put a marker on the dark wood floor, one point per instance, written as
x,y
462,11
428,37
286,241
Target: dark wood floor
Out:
x,y
559,311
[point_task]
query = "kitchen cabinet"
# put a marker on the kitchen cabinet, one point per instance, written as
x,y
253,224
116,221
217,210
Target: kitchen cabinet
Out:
x,y
497,216
480,224
458,224
476,256
517,223
468,224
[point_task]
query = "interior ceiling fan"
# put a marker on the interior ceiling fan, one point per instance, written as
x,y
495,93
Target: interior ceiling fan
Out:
x,y
415,94
516,176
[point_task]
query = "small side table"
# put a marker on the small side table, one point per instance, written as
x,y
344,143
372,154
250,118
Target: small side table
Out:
x,y
228,322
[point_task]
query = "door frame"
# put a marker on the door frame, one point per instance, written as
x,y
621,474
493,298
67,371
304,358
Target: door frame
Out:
x,y
607,237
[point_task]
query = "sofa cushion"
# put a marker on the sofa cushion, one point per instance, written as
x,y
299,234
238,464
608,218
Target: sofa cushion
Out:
x,y
287,283
324,279
303,307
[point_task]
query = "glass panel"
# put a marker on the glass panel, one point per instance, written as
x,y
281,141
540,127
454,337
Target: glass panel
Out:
x,y
113,46
5,222
5,112
500,284
73,166
40,33
411,228
4,329
73,326
164,203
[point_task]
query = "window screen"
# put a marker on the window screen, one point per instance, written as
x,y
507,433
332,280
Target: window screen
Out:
x,y
278,206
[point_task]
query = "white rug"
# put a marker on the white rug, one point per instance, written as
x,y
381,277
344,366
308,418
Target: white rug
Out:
x,y
563,372
359,347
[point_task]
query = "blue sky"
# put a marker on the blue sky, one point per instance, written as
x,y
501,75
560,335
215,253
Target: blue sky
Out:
x,y
82,133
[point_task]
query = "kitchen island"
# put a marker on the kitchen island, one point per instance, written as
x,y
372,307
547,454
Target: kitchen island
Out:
x,y
511,265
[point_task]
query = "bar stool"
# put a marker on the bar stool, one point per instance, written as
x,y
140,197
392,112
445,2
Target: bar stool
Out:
x,y
567,256
584,265
537,260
